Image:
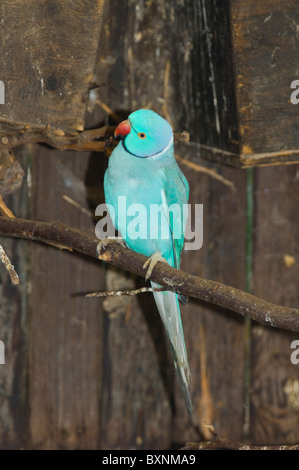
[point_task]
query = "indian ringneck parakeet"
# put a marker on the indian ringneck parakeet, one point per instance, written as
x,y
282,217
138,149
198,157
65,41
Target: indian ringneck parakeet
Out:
x,y
142,168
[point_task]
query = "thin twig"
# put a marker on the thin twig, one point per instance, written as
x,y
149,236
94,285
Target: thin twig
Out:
x,y
207,171
78,206
4,209
10,268
175,280
108,110
113,293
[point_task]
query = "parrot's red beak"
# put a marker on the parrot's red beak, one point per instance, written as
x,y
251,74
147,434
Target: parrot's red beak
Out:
x,y
123,129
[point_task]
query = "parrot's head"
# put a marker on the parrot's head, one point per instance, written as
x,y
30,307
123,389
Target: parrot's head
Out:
x,y
145,133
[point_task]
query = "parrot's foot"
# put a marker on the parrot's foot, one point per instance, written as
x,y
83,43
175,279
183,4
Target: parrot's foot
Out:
x,y
101,245
151,263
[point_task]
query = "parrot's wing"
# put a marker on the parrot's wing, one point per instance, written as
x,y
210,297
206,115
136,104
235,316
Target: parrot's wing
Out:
x,y
168,306
175,193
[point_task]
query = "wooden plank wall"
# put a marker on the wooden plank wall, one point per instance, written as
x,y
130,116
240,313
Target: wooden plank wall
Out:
x,y
14,317
274,397
87,373
266,40
50,384
43,48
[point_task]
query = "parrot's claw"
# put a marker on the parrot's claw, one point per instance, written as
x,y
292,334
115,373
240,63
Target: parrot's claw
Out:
x,y
151,263
107,240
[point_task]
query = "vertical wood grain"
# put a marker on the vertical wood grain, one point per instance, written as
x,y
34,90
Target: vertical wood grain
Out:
x,y
65,329
51,381
13,330
274,382
215,337
265,41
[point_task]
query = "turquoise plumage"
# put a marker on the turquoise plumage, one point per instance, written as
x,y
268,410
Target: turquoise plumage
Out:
x,y
142,169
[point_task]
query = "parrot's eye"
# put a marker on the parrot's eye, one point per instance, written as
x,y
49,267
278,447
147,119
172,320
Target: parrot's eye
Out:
x,y
142,135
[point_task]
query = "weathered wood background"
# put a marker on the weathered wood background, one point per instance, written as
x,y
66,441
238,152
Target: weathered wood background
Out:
x,y
86,373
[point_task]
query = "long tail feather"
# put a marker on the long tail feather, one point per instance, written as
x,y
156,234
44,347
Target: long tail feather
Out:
x,y
168,306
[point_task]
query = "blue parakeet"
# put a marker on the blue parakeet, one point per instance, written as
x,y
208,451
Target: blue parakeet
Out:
x,y
142,169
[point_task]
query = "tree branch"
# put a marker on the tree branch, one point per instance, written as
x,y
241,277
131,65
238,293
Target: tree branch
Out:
x,y
213,292
93,140
89,140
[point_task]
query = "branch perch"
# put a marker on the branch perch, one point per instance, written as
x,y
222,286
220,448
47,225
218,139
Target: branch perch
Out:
x,y
114,253
86,140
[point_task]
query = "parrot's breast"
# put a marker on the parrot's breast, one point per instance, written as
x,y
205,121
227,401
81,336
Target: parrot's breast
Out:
x,y
135,188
